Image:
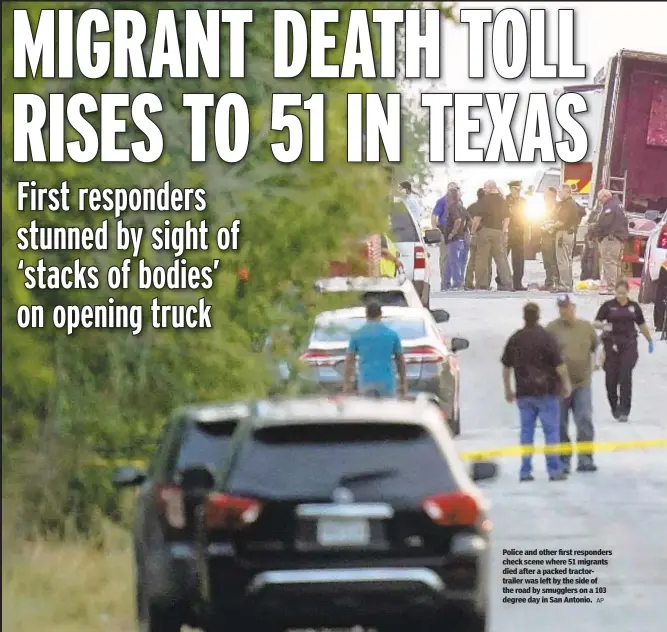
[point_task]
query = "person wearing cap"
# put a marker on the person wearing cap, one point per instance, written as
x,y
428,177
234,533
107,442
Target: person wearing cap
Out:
x,y
540,376
490,222
377,348
619,320
454,234
516,233
439,221
578,342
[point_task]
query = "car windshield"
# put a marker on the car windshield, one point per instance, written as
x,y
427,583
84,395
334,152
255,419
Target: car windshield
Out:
x,y
402,225
341,330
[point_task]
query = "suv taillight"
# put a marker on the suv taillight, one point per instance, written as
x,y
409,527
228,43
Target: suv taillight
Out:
x,y
230,512
422,355
454,509
662,238
169,499
420,258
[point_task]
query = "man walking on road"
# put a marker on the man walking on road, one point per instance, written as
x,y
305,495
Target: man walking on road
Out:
x,y
540,376
612,232
493,216
578,343
568,217
516,233
469,281
378,349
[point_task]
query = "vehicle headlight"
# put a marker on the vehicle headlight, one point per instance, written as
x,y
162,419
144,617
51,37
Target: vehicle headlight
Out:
x,y
535,209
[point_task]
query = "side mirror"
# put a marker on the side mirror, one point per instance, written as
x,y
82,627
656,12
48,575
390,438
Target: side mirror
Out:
x,y
127,476
432,236
652,216
459,344
440,315
198,478
484,471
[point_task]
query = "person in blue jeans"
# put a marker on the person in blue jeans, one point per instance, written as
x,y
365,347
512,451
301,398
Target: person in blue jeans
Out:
x,y
455,232
378,350
578,344
541,378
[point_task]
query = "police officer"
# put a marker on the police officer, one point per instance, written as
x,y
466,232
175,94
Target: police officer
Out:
x,y
568,217
619,319
611,231
517,233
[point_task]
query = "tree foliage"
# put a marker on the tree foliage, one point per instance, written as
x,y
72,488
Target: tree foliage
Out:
x,y
110,388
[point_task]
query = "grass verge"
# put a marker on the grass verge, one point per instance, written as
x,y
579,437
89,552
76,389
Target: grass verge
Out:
x,y
68,586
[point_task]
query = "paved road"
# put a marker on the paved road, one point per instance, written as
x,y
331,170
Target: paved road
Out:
x,y
622,507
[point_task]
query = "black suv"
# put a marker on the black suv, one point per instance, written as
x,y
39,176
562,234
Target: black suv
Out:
x,y
196,439
338,512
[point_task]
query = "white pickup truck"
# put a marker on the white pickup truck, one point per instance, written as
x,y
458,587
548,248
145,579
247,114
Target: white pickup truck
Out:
x,y
653,287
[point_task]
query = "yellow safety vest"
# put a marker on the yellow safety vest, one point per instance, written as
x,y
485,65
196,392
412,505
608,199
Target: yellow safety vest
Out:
x,y
387,266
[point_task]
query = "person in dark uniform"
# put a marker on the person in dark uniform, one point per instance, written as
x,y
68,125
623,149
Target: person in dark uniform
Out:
x,y
619,319
517,233
541,377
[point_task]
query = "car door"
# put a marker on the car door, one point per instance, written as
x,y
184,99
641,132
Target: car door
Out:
x,y
406,235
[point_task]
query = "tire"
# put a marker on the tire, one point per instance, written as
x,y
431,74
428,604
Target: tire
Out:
x,y
153,619
659,312
647,289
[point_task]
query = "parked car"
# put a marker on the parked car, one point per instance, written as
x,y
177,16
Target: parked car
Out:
x,y
653,287
344,511
407,236
163,537
398,292
431,362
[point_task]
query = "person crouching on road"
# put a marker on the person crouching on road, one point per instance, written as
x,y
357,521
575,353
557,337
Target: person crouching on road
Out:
x,y
540,376
578,343
378,350
619,319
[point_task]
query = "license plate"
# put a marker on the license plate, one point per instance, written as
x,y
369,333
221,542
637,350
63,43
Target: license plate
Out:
x,y
343,532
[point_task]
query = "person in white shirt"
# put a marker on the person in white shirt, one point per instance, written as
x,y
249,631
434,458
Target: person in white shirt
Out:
x,y
412,201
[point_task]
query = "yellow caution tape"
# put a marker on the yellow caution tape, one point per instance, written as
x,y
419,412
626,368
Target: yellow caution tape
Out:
x,y
563,448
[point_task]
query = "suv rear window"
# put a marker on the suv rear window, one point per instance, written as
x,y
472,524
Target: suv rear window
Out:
x,y
205,444
376,461
402,226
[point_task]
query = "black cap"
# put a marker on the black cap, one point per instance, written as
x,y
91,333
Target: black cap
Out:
x,y
514,183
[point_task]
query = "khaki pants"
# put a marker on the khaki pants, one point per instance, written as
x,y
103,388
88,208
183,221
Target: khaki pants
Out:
x,y
552,279
472,262
444,255
564,248
491,244
611,250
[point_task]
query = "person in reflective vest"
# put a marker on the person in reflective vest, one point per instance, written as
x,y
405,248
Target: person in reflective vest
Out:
x,y
391,262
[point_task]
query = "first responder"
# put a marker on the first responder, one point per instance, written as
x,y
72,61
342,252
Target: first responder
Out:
x,y
390,264
516,233
619,319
